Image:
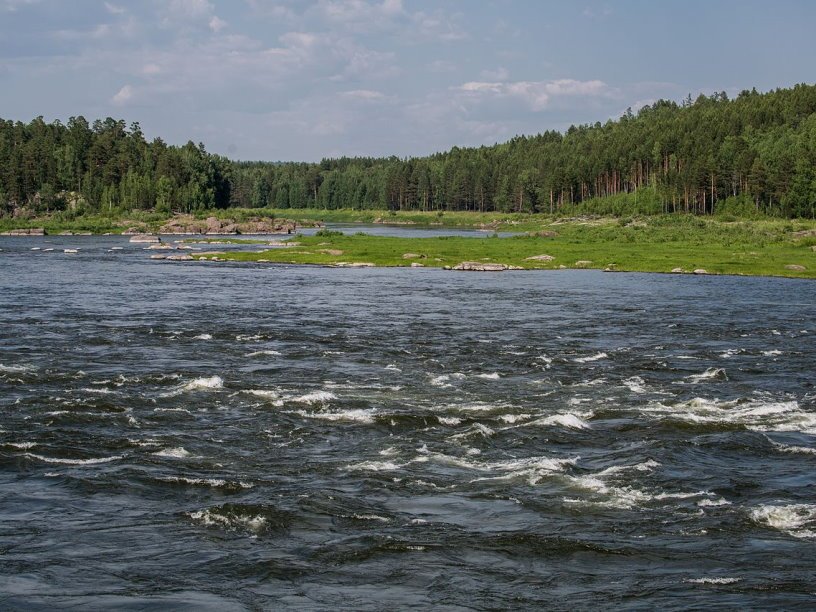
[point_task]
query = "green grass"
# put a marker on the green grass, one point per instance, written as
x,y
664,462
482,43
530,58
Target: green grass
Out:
x,y
655,244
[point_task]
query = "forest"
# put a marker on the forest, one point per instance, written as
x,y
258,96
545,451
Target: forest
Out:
x,y
754,154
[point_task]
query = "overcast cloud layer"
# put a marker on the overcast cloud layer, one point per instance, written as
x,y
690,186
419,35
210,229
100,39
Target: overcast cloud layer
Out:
x,y
306,79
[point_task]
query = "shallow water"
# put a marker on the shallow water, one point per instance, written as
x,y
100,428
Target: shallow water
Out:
x,y
231,436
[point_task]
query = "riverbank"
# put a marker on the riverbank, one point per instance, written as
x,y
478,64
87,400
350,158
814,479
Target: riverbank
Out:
x,y
657,244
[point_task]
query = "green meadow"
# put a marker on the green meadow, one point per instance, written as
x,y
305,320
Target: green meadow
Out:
x,y
649,244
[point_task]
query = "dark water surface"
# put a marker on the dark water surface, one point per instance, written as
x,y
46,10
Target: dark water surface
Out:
x,y
228,436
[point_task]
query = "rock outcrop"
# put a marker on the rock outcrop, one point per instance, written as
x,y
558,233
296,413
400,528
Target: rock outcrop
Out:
x,y
478,266
187,224
29,231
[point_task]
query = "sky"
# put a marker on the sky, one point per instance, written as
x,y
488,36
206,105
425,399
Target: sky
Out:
x,y
302,80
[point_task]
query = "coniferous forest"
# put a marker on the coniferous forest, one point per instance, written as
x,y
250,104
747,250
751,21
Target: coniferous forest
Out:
x,y
754,154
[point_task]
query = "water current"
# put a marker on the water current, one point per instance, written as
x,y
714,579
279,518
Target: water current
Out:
x,y
238,436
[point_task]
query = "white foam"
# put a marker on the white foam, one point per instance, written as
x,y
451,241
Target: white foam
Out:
x,y
797,520
476,430
210,482
568,419
99,390
491,376
756,415
269,394
213,518
713,503
393,368
772,353
264,353
370,517
635,384
709,374
21,445
595,357
173,453
452,421
15,369
75,461
314,397
354,416
723,580
249,337
203,337
204,384
375,466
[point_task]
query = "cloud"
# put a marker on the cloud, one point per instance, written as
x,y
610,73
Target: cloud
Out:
x,y
363,94
113,9
535,94
217,24
123,96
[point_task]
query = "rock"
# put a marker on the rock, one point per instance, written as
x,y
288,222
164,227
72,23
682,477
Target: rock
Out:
x,y
477,266
179,257
417,265
677,270
160,246
543,234
28,231
333,252
700,271
145,238
813,248
157,256
354,264
795,267
583,263
562,267
540,258
805,234
413,256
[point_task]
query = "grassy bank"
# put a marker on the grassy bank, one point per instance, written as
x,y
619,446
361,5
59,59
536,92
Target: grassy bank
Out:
x,y
653,244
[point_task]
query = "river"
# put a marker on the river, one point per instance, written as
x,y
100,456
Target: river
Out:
x,y
235,436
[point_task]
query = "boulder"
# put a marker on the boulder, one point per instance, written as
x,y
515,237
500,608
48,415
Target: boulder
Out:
x,y
415,264
179,257
157,256
540,258
354,264
700,271
805,234
413,256
478,266
677,270
795,267
145,238
160,246
583,263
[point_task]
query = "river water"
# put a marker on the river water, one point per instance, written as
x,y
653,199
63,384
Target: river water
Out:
x,y
232,436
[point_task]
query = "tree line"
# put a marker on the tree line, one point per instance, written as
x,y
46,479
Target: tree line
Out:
x,y
755,153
